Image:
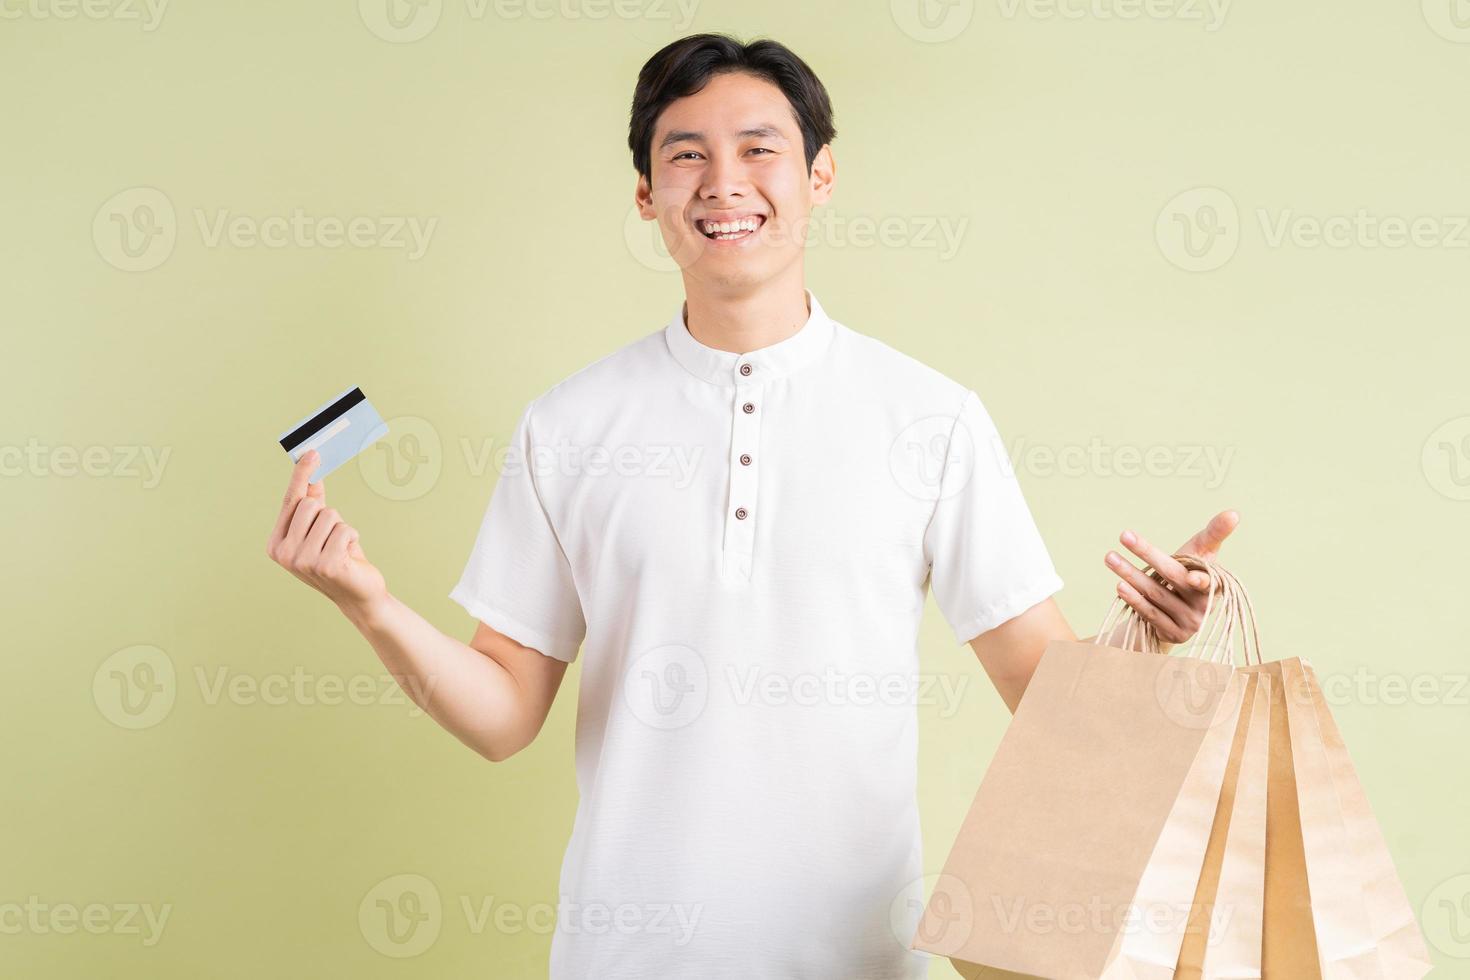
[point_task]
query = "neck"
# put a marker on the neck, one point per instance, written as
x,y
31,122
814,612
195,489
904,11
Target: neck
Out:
x,y
741,322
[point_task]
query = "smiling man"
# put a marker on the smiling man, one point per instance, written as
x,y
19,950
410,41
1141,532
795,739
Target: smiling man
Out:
x,y
746,724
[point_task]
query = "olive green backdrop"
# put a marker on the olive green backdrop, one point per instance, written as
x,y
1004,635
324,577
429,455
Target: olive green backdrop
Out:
x,y
1192,257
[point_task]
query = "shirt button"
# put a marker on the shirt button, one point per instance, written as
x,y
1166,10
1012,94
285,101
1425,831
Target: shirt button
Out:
x,y
745,459
745,370
740,513
747,408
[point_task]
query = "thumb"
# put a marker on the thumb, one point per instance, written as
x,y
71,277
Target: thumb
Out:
x,y
1209,540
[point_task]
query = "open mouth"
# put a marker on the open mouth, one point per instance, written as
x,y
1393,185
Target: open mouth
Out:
x,y
732,230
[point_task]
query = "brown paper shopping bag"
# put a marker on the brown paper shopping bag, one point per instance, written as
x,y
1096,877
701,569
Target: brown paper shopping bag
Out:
x,y
1081,853
1392,928
1232,950
1223,937
1345,944
1336,907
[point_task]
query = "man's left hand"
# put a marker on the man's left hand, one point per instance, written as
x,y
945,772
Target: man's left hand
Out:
x,y
1177,611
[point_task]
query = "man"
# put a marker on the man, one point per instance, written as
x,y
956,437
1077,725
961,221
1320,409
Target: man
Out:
x,y
746,773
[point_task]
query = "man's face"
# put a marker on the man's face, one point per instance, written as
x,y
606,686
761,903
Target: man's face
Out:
x,y
731,155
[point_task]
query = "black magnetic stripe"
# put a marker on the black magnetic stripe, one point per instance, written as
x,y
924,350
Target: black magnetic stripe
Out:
x,y
322,419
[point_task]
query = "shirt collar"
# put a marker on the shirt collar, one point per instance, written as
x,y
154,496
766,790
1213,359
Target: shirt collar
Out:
x,y
723,367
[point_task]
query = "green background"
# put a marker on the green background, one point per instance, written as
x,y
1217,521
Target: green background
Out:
x,y
1329,377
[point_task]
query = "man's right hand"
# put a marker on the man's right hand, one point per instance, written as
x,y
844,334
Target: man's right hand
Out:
x,y
312,542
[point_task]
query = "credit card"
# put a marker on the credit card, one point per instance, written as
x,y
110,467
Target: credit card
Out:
x,y
338,431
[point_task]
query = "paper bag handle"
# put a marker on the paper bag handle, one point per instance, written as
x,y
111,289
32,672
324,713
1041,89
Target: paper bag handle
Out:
x,y
1215,637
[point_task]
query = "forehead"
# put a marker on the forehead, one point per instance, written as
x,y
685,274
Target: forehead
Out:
x,y
726,105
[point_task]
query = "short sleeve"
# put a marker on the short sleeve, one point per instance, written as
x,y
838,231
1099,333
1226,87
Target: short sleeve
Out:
x,y
518,580
988,562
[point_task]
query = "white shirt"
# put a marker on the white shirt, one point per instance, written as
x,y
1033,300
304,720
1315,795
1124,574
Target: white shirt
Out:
x,y
740,544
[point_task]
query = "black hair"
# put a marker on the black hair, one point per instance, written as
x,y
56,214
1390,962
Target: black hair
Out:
x,y
685,66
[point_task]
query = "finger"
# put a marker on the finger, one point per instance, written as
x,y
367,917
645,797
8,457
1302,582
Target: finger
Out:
x,y
354,547
1163,625
295,490
1150,588
306,510
338,543
1165,564
316,538
1213,536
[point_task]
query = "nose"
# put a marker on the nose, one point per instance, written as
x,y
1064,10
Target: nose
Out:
x,y
725,180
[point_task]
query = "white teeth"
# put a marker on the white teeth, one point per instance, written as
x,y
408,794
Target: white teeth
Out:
x,y
729,227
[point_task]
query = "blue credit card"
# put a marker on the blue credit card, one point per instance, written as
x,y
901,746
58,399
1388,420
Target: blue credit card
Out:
x,y
338,431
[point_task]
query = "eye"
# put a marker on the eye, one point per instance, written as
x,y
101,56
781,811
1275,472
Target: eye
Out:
x,y
686,153
762,149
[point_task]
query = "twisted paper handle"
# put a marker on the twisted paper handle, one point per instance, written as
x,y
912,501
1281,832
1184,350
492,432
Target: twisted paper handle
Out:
x,y
1223,620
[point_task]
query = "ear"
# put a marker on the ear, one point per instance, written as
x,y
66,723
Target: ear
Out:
x,y
824,175
643,199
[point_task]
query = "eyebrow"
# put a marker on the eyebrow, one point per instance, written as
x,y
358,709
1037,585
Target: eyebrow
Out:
x,y
763,131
